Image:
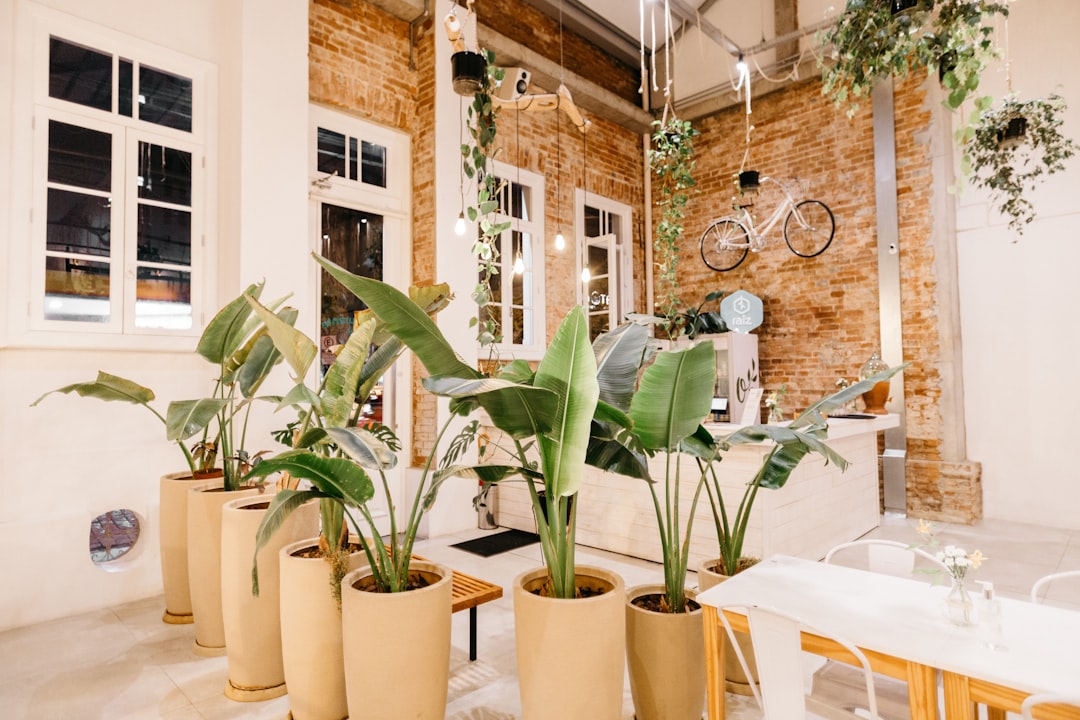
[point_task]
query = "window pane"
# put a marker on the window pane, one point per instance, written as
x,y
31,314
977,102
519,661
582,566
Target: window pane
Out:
x,y
164,174
127,80
164,98
598,260
79,156
373,168
517,320
331,152
592,222
76,290
164,235
517,295
77,223
354,240
353,160
163,299
80,74
598,324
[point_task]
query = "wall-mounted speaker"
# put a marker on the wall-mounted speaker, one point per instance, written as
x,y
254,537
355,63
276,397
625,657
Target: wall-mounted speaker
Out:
x,y
515,83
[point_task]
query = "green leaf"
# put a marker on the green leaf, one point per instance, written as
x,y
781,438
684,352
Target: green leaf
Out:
x,y
281,507
675,395
363,447
619,355
343,378
107,387
257,366
185,418
297,349
405,319
519,410
569,370
227,330
338,478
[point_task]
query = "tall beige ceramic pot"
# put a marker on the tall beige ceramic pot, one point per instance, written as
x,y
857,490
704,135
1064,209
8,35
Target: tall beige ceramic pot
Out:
x,y
733,671
391,636
172,538
311,645
577,647
204,563
665,654
253,624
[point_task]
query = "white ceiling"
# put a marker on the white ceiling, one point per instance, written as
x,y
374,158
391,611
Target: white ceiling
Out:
x,y
709,34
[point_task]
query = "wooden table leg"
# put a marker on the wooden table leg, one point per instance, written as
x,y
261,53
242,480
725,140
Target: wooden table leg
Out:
x,y
714,663
958,704
922,691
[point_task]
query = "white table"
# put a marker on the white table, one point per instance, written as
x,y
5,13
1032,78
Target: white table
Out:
x,y
901,626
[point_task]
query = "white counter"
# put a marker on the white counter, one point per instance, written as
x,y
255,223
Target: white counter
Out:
x,y
818,508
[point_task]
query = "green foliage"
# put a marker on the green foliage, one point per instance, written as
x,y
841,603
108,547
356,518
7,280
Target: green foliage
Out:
x,y
870,43
476,157
1008,171
343,462
671,160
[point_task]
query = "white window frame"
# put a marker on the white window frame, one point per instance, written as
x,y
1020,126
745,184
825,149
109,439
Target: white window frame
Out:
x,y
26,272
534,260
620,254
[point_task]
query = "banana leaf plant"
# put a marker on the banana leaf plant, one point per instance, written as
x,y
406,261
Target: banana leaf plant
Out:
x,y
791,443
342,460
236,344
549,411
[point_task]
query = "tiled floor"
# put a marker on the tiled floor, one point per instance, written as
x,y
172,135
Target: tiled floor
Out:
x,y
125,663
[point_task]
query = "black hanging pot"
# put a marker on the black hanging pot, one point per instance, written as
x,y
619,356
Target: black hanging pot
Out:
x,y
749,180
946,64
898,7
1013,134
469,69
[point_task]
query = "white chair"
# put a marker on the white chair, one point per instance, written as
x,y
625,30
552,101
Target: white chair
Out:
x,y
837,684
888,557
781,685
1028,706
1046,580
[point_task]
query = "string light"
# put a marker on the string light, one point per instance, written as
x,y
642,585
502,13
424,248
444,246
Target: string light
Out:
x,y
560,241
519,264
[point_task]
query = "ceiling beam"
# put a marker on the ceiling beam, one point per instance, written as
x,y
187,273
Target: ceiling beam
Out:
x,y
720,98
586,23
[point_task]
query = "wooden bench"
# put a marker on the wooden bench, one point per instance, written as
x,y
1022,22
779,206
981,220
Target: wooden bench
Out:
x,y
467,593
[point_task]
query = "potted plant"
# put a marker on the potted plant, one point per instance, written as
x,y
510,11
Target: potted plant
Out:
x,y
791,443
1011,147
407,600
182,421
870,42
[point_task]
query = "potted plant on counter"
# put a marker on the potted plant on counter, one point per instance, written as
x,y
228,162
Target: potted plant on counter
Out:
x,y
377,594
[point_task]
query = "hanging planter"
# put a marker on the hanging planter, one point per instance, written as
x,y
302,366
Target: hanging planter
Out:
x,y
899,7
470,70
1011,147
749,181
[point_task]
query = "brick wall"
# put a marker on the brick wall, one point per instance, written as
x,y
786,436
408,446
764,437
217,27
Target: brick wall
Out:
x,y
821,314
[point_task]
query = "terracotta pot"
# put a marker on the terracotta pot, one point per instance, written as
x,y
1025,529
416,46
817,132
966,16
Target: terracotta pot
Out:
x,y
204,563
172,538
311,645
577,646
412,633
253,624
665,654
876,397
736,678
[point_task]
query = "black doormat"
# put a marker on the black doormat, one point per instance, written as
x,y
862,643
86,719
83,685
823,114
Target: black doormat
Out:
x,y
488,545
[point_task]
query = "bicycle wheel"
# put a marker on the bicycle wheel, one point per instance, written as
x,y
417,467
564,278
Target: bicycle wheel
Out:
x,y
809,228
724,244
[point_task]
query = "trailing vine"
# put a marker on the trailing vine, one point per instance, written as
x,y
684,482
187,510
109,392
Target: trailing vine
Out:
x,y
671,160
476,156
1008,171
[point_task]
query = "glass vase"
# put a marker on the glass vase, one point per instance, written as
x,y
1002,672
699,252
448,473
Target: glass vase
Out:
x,y
959,606
775,416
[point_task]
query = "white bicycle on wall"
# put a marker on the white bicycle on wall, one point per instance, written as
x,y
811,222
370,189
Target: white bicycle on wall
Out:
x,y
808,229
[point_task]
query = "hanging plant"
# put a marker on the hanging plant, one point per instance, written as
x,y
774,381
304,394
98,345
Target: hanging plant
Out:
x,y
870,42
476,157
671,160
1009,167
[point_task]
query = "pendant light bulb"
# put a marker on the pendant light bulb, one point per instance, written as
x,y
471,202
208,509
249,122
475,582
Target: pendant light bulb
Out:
x,y
586,276
519,265
560,241
459,226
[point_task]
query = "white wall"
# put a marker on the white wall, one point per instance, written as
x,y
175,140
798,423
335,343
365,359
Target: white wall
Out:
x,y
1020,340
70,459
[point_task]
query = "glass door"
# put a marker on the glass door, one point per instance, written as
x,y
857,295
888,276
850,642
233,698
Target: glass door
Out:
x,y
353,239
